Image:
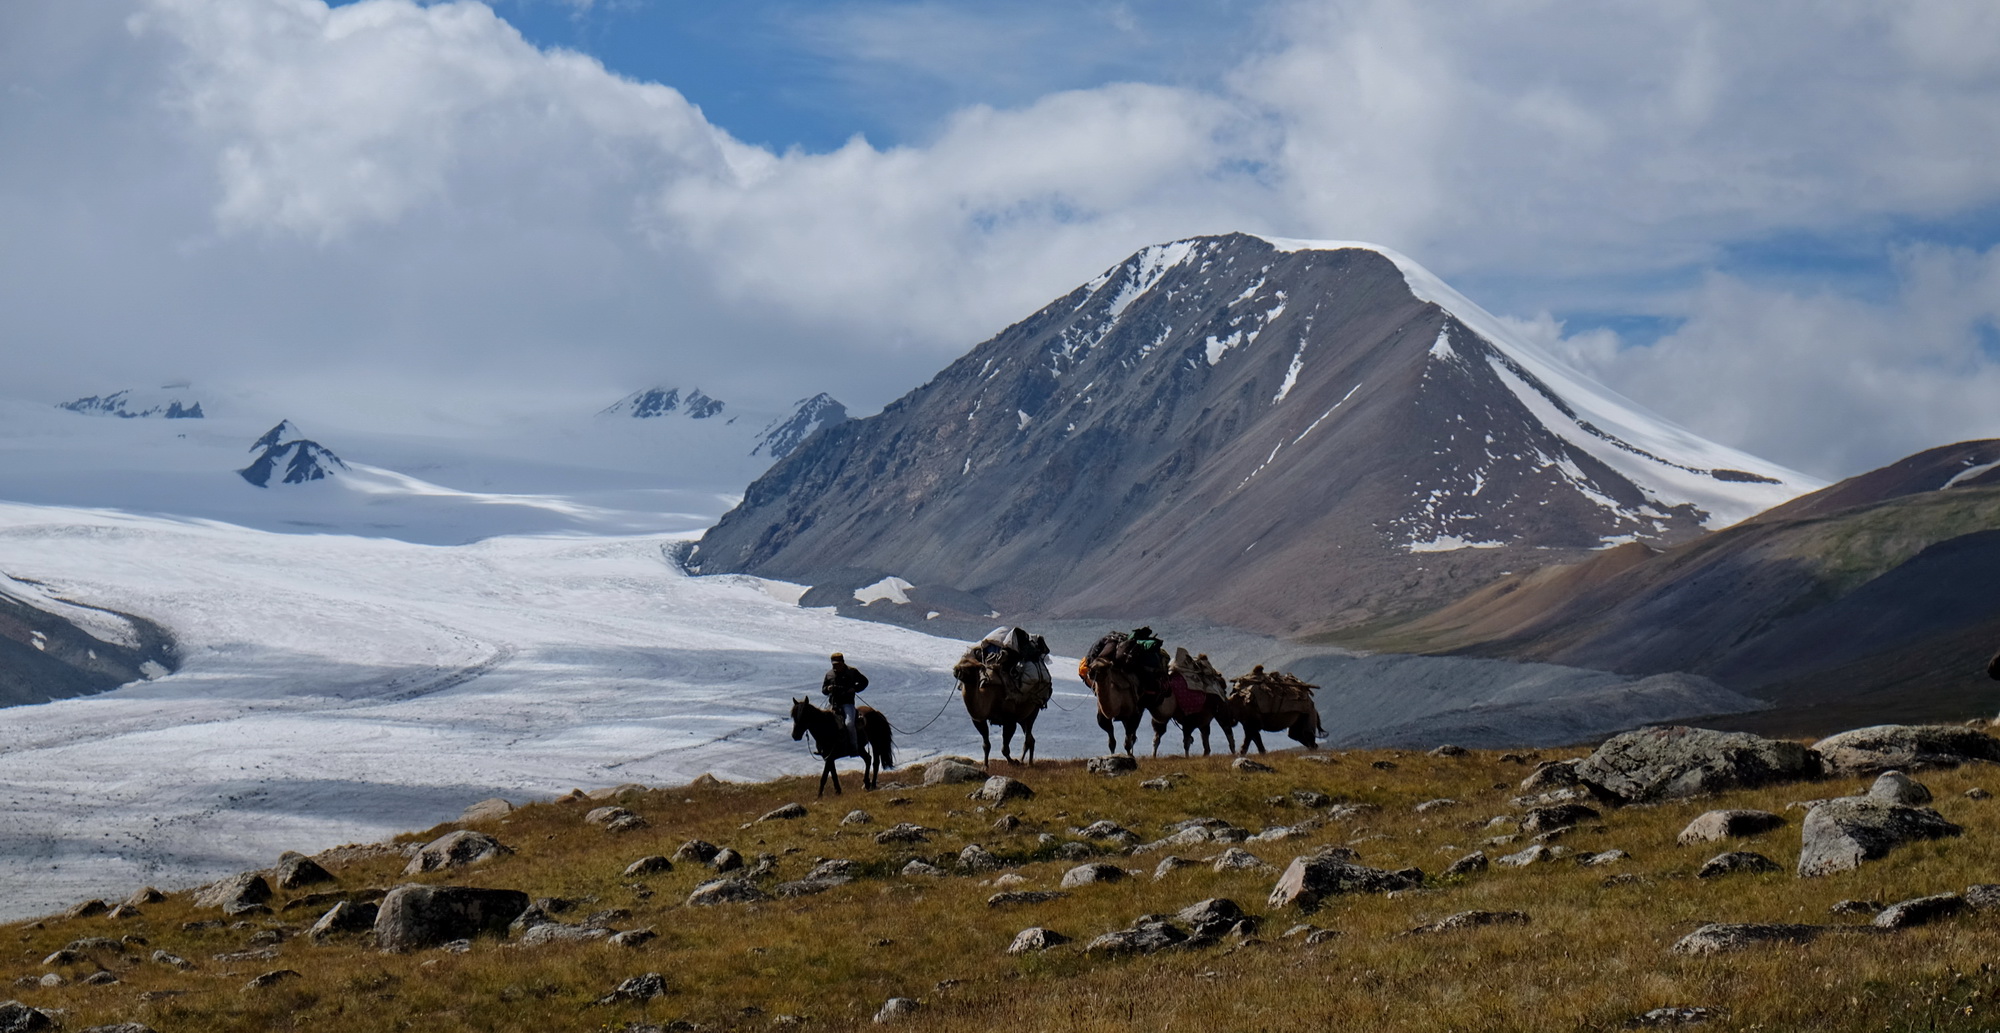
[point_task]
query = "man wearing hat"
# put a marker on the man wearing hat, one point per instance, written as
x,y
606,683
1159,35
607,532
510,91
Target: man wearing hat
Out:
x,y
839,686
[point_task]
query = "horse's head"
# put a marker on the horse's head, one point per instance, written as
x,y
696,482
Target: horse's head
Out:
x,y
802,710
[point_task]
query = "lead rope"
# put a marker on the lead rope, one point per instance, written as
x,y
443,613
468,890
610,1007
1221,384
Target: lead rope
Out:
x,y
934,717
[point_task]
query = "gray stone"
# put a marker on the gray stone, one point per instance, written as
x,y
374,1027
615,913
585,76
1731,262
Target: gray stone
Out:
x,y
172,960
561,932
1309,880
1543,819
1435,805
1855,907
86,909
1920,911
149,895
297,871
1550,774
895,1008
950,771
16,1017
1106,830
1170,864
413,917
636,988
1977,793
915,868
1603,858
1249,766
726,891
789,812
858,817
615,819
271,978
1471,864
976,858
1905,747
1536,854
1000,789
455,850
1721,938
1896,787
490,809
347,916
726,860
1472,920
1021,898
1838,835
903,832
1146,936
1311,798
1734,862
1675,762
1112,766
1319,936
241,889
652,865
808,887
1096,872
1667,1018
1983,896
1035,940
633,937
1448,751
1215,915
1237,859
1156,784
1732,824
697,851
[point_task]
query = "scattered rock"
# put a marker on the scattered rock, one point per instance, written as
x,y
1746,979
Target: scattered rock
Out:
x,y
1107,830
87,909
915,868
297,871
240,890
1310,798
1882,747
1666,1018
1310,880
1319,936
952,770
16,1017
1720,938
1448,751
789,812
1146,936
347,916
1035,940
487,810
1019,898
1537,854
1983,896
455,850
1602,858
1237,859
636,988
1736,861
1007,823
169,960
615,819
1112,766
271,978
1435,805
1084,875
895,1008
1156,783
1855,907
1171,863
1384,765
1670,763
545,933
633,937
858,817
1000,789
652,865
1838,835
1543,819
1551,774
1472,920
735,890
1471,864
1213,917
1896,787
413,917
1920,911
976,858
149,895
1734,824
726,860
697,851
1249,766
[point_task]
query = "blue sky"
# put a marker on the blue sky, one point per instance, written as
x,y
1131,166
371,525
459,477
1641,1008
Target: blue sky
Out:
x,y
1776,223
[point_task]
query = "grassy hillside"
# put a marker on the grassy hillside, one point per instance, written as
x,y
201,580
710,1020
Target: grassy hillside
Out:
x,y
1593,956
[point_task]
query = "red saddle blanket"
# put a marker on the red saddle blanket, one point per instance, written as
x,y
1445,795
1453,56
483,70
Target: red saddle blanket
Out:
x,y
1190,701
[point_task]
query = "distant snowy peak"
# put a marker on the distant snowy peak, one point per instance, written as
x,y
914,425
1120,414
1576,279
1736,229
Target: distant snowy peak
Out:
x,y
291,456
169,403
784,435
655,402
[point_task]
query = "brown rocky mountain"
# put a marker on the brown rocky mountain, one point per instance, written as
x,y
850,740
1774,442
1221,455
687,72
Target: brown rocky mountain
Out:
x,y
1277,435
1870,600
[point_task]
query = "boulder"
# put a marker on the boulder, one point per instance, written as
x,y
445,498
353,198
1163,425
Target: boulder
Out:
x,y
950,770
1920,911
1007,823
1311,798
633,937
297,871
1602,858
1237,859
1733,824
903,832
1249,766
16,1017
348,916
271,978
1310,880
240,890
1983,896
1534,855
1551,774
412,917
1096,872
164,958
615,819
653,865
1838,835
1435,805
545,933
1000,789
698,851
1720,937
1019,898
615,792
1035,940
789,812
1112,766
976,858
726,891
1472,920
915,868
1671,763
86,909
1882,747
1734,862
1896,787
489,809
1448,751
1471,864
1170,864
1855,907
858,817
455,850
726,860
1107,829
148,895
636,988
1146,936
1543,819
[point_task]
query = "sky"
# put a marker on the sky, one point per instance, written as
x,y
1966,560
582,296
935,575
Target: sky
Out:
x,y
1775,223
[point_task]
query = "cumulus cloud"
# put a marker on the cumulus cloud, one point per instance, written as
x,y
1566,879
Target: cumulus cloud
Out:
x,y
398,198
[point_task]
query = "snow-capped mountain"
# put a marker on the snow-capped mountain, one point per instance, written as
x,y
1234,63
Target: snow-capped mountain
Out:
x,y
1270,433
654,402
171,402
730,434
781,437
301,458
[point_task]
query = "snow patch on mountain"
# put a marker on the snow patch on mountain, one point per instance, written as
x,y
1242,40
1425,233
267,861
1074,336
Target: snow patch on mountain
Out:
x,y
893,589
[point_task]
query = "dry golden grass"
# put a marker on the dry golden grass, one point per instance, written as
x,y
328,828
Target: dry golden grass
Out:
x,y
1592,958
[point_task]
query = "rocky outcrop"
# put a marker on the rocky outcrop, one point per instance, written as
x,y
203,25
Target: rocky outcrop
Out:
x,y
1838,835
1732,824
414,917
1882,747
1671,763
455,850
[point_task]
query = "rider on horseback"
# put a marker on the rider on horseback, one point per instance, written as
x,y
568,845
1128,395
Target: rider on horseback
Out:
x,y
839,686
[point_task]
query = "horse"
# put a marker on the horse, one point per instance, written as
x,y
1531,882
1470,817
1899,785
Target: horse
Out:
x,y
983,682
1185,684
831,741
1118,692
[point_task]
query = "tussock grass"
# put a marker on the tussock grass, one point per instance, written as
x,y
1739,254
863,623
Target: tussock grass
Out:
x,y
1593,956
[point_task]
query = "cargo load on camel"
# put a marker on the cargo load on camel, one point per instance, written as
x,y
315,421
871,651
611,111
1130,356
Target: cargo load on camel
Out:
x,y
1021,661
1273,693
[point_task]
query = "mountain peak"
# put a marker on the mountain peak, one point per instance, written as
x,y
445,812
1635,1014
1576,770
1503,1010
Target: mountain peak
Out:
x,y
654,402
301,458
169,402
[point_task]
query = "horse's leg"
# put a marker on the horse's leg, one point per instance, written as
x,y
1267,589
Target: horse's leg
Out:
x,y
822,777
1110,737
